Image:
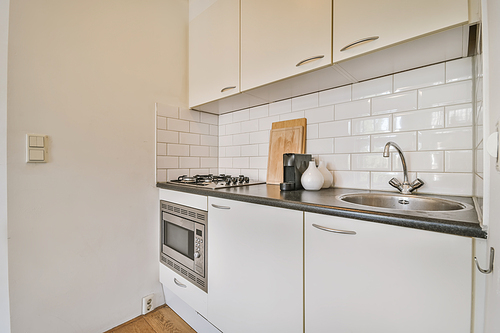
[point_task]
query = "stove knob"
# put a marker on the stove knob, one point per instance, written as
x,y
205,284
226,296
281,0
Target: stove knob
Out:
x,y
197,254
241,179
234,180
247,180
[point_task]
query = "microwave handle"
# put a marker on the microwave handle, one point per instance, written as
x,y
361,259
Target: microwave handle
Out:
x,y
220,207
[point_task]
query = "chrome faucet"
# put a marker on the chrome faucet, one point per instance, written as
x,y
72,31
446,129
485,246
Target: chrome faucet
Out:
x,y
405,187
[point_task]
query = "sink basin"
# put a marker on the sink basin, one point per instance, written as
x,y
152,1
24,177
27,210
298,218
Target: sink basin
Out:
x,y
403,202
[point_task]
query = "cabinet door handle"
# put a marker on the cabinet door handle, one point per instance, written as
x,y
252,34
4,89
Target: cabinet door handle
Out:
x,y
337,231
490,267
309,59
359,42
227,88
221,207
182,285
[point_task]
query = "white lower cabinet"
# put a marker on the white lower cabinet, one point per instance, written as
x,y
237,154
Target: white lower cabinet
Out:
x,y
185,290
385,279
255,265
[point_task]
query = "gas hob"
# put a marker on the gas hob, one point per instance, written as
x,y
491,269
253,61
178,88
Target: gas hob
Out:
x,y
215,182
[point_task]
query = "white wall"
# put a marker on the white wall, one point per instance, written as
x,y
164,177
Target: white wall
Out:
x,y
83,228
4,277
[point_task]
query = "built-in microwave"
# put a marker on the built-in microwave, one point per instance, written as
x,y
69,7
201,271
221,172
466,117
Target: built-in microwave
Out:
x,y
184,242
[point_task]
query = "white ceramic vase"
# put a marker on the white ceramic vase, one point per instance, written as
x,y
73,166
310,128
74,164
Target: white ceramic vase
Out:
x,y
312,179
327,175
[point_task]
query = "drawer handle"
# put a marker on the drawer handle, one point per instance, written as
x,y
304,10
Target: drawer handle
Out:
x,y
490,268
359,42
309,60
337,231
182,285
227,88
220,207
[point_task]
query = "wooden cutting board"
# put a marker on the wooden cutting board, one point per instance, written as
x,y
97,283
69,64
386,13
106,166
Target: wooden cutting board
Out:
x,y
292,123
283,140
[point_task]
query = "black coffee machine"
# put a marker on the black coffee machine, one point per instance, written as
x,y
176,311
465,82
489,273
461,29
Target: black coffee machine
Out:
x,y
294,166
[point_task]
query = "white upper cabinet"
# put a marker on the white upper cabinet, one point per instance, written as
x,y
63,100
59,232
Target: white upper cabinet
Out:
x,y
214,49
276,36
369,25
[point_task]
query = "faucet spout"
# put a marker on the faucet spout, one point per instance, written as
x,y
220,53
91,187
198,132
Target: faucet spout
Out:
x,y
403,161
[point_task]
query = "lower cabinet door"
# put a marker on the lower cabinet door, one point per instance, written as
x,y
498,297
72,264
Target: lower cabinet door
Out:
x,y
384,279
255,281
188,292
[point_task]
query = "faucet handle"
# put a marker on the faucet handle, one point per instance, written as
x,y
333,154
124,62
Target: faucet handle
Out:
x,y
394,182
417,183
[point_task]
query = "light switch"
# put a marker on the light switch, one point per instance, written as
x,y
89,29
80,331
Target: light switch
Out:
x,y
36,148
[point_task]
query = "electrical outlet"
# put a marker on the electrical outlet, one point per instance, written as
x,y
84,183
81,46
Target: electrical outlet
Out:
x,y
148,304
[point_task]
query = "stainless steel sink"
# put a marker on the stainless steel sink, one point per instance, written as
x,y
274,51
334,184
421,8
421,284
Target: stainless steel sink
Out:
x,y
403,202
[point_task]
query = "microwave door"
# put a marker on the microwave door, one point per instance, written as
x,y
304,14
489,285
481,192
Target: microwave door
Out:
x,y
178,239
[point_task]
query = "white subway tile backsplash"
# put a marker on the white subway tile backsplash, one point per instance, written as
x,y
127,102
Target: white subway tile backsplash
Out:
x,y
177,125
233,151
161,149
241,139
263,149
312,131
321,114
258,162
189,138
226,118
241,162
420,161
259,111
187,114
280,107
161,175
233,128
167,136
395,103
335,129
418,120
353,109
354,144
419,78
446,183
253,174
222,130
199,151
161,123
370,162
458,115
262,175
199,128
225,140
225,162
267,122
305,102
208,118
335,96
459,70
445,139
175,173
259,137
371,125
352,179
233,171
451,93
167,162
319,146
177,150
249,126
242,115
336,161
250,150
458,161
214,130
189,162
372,88
213,151
222,151
194,172
208,140
407,141
292,115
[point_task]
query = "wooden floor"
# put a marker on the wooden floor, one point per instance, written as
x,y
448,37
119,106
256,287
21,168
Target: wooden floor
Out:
x,y
160,320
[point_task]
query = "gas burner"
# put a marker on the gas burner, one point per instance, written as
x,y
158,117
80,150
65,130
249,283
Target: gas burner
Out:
x,y
215,182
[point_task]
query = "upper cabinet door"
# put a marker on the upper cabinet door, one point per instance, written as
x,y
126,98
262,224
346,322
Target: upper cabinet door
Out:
x,y
279,36
214,53
361,26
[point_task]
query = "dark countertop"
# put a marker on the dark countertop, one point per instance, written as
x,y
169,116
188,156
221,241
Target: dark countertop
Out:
x,y
463,223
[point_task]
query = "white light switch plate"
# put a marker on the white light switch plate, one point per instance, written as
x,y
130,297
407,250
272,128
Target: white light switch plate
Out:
x,y
36,148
